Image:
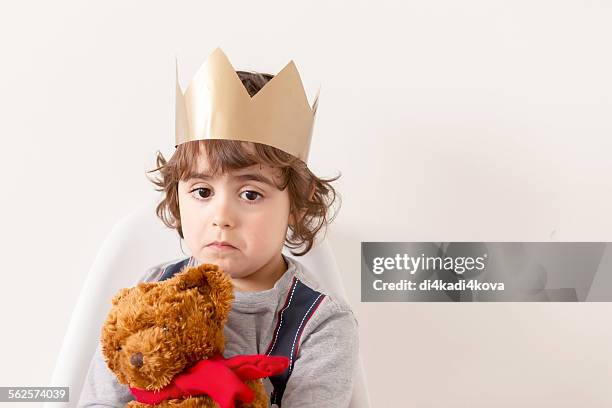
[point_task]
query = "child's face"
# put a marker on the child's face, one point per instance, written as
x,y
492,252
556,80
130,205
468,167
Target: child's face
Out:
x,y
249,214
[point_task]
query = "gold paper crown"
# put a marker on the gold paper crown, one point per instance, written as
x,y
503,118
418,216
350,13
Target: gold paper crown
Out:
x,y
216,105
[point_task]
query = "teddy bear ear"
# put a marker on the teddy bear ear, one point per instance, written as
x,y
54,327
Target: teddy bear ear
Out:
x,y
120,295
210,281
204,276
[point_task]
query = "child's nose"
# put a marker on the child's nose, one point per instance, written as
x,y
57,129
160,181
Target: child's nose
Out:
x,y
221,223
223,216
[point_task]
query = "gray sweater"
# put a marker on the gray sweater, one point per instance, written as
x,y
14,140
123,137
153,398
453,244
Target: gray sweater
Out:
x,y
327,354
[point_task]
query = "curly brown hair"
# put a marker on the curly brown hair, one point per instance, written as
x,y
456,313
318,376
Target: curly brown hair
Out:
x,y
311,197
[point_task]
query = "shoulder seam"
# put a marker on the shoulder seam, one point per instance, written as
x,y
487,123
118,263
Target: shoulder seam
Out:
x,y
340,303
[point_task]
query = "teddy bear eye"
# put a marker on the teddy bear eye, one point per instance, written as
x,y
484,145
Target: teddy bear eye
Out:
x,y
119,348
165,328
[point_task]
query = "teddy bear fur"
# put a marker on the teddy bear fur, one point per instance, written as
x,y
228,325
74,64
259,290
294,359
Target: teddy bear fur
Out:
x,y
173,324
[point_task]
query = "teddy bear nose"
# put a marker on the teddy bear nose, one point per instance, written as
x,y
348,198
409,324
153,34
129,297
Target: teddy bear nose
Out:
x,y
136,360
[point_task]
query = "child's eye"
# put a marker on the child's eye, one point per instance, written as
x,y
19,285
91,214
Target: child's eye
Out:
x,y
200,190
252,195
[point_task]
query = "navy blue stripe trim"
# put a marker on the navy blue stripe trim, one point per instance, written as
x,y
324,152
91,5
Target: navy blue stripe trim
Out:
x,y
300,304
174,268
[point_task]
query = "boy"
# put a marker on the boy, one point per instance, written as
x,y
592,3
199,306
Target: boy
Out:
x,y
233,201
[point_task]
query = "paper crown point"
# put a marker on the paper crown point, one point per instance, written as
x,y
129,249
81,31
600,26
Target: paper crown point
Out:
x,y
216,105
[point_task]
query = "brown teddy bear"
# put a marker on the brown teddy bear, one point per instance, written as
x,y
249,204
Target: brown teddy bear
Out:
x,y
165,341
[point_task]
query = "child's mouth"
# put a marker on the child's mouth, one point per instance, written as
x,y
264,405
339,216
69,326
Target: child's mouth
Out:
x,y
221,247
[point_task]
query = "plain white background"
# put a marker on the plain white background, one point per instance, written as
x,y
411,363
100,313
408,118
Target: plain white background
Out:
x,y
449,121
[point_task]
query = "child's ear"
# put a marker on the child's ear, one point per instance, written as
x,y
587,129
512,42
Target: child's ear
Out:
x,y
312,191
301,213
292,220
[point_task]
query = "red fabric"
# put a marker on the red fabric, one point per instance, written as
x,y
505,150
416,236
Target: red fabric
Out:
x,y
218,377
